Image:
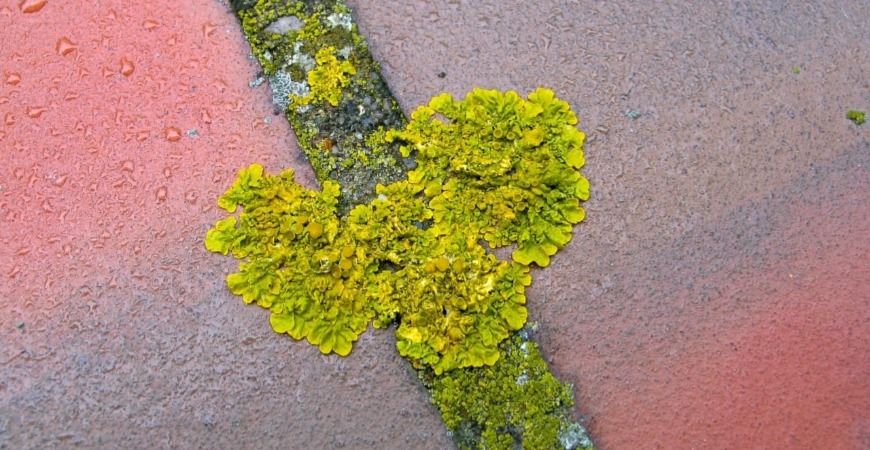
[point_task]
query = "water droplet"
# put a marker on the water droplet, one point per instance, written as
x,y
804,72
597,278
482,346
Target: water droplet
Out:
x,y
141,136
67,249
106,72
167,172
34,112
32,6
64,46
208,28
9,119
13,272
150,24
161,193
172,134
13,78
127,166
126,67
60,180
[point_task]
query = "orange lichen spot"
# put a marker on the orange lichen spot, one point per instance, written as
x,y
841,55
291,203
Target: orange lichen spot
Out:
x,y
64,46
126,67
172,134
13,78
34,112
314,229
347,252
345,264
429,267
31,6
441,263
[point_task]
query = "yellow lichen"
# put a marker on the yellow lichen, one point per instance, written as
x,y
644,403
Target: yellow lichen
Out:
x,y
327,80
412,254
500,167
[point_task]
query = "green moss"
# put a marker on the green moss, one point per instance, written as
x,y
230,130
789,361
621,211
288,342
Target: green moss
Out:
x,y
324,78
515,403
270,48
859,117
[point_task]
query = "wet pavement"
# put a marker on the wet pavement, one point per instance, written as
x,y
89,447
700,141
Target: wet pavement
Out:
x,y
715,297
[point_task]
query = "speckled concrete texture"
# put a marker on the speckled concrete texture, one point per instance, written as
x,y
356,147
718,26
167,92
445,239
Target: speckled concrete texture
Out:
x,y
715,297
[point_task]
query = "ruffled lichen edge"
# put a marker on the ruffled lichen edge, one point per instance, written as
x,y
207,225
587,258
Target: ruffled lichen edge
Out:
x,y
351,149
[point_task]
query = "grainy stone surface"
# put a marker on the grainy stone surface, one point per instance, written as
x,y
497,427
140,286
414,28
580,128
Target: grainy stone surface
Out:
x,y
715,296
